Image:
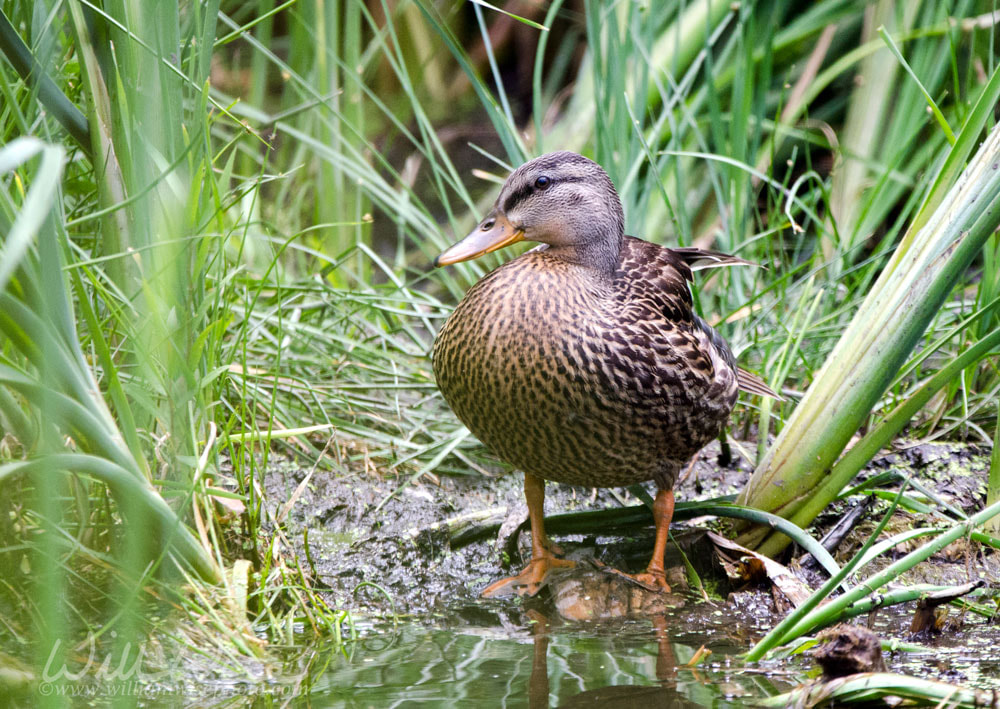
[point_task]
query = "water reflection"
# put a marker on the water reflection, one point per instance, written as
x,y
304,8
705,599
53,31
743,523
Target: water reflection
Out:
x,y
664,694
525,659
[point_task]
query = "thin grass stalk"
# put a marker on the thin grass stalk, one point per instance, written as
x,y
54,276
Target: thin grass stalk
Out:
x,y
14,420
903,124
508,134
866,115
54,100
931,103
107,169
801,321
993,485
676,47
894,597
148,509
80,413
35,209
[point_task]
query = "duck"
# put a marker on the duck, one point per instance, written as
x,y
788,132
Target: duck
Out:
x,y
582,361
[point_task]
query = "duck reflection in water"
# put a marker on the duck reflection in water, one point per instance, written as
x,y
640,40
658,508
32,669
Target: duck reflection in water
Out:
x,y
663,694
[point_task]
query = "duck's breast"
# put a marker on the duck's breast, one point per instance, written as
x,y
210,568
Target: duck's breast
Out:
x,y
573,379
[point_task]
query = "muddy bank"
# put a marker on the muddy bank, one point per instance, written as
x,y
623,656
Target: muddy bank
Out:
x,y
357,530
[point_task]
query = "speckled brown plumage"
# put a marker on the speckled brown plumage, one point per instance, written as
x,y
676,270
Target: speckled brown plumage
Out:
x,y
582,361
587,379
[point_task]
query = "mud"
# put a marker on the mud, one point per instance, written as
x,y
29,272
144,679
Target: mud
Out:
x,y
358,531
365,527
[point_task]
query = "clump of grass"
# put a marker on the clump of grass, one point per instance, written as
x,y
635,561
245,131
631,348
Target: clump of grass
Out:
x,y
811,615
948,232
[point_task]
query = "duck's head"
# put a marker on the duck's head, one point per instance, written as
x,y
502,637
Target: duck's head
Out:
x,y
560,199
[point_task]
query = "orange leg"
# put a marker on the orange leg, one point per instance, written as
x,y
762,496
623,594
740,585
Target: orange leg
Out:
x,y
663,512
529,581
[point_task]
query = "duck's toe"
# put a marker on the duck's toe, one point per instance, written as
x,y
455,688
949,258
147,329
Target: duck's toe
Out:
x,y
530,581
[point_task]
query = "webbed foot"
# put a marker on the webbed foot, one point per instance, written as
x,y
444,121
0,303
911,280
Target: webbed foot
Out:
x,y
528,582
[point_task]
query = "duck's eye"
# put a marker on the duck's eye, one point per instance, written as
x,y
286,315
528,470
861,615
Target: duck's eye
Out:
x,y
543,182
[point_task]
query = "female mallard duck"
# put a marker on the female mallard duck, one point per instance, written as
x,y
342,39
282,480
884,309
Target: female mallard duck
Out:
x,y
582,360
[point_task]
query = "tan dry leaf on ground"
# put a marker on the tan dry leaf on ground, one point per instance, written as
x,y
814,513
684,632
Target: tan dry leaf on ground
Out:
x,y
753,564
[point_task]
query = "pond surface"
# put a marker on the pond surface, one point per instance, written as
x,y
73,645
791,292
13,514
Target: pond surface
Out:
x,y
515,657
625,664
514,654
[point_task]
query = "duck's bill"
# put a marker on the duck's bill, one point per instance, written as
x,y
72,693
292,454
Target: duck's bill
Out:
x,y
495,232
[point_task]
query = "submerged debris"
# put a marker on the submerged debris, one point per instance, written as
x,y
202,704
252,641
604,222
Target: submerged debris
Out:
x,y
847,650
929,617
592,595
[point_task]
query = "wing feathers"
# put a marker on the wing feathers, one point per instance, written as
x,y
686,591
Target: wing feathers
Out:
x,y
752,384
699,259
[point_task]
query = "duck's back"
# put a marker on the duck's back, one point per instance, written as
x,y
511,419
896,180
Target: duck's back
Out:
x,y
585,379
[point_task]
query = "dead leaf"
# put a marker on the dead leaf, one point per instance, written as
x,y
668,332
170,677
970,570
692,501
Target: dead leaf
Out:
x,y
754,566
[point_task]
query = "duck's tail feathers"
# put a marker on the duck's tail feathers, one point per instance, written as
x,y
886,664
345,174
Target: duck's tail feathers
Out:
x,y
699,259
752,384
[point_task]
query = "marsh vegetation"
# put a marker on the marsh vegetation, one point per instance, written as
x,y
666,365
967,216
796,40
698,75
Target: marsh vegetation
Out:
x,y
217,223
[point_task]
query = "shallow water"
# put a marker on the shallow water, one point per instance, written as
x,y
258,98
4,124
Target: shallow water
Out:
x,y
505,654
614,666
522,659
495,654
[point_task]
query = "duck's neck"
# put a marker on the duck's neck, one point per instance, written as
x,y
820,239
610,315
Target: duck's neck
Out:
x,y
602,254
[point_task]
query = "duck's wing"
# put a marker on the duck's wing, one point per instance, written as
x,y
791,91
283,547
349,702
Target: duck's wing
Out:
x,y
660,275
752,384
698,259
653,281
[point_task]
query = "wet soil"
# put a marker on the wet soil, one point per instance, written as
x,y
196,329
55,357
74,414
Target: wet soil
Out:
x,y
369,528
400,536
